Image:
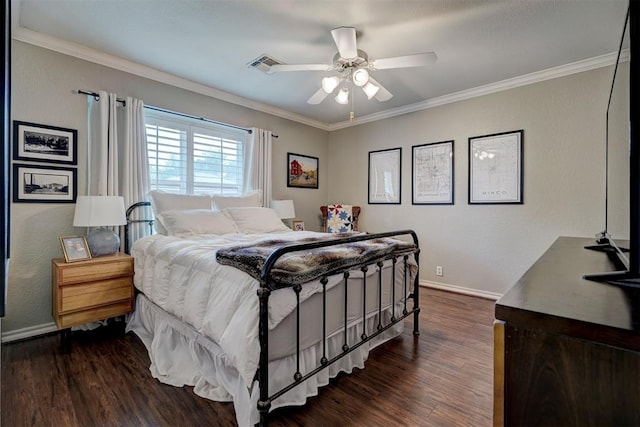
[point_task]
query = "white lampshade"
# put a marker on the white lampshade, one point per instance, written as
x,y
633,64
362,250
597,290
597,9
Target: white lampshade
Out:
x,y
284,208
330,83
99,211
343,96
360,77
370,89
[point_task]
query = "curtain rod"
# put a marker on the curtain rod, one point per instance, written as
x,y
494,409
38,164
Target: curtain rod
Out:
x,y
96,96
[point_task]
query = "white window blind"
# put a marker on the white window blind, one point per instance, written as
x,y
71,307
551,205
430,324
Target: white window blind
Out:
x,y
191,156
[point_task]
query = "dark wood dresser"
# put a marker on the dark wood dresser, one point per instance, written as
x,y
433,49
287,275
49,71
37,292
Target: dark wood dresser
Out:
x,y
567,350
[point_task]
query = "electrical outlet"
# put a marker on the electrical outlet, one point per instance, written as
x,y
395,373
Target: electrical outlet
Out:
x,y
439,270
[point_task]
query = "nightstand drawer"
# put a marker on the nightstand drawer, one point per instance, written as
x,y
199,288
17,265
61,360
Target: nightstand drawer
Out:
x,y
86,272
76,297
85,316
90,290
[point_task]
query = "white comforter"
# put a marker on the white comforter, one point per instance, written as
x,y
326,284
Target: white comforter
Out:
x,y
181,276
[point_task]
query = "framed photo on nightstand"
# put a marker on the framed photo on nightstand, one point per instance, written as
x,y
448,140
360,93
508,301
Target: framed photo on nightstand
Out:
x,y
75,248
298,225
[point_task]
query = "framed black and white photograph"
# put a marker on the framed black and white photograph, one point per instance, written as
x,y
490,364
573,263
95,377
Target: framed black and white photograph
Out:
x,y
43,143
75,248
432,174
44,184
495,168
302,171
384,176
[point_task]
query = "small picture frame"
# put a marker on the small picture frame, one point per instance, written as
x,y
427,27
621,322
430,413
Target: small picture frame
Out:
x,y
44,143
302,171
297,225
75,248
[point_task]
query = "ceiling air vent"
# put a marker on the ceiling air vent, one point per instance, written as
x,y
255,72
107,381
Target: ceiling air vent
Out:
x,y
263,63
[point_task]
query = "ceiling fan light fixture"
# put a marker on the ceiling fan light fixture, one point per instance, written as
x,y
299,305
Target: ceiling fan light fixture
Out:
x,y
360,77
370,89
329,84
343,96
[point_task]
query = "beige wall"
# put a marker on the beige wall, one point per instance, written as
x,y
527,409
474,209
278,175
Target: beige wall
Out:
x,y
482,248
42,92
486,248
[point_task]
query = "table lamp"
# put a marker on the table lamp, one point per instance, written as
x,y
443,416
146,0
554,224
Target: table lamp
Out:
x,y
284,208
100,212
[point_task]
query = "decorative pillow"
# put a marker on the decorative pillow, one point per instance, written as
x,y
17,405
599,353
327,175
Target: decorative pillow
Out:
x,y
339,219
256,220
162,202
252,199
196,221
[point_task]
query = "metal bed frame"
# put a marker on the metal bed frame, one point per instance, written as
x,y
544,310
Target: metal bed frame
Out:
x,y
267,285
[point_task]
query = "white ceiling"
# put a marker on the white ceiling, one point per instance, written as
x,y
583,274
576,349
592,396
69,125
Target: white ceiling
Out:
x,y
478,43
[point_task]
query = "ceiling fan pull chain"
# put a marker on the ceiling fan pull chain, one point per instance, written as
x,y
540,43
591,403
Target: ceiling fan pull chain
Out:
x,y
352,116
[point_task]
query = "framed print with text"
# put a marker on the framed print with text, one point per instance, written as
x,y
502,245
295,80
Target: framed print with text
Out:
x,y
384,176
495,168
432,174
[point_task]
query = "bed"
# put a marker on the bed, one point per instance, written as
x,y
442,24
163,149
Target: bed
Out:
x,y
261,315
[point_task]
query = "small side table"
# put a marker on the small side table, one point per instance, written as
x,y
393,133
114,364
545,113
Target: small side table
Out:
x,y
91,290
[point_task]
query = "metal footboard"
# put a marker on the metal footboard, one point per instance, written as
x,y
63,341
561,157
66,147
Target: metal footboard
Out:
x,y
267,286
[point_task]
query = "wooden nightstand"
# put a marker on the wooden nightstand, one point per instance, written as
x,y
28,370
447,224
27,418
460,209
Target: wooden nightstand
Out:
x,y
86,291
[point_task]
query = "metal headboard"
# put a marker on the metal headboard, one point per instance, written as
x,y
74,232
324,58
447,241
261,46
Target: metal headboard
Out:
x,y
131,221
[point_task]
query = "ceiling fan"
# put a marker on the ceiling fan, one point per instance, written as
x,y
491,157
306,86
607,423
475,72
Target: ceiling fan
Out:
x,y
353,66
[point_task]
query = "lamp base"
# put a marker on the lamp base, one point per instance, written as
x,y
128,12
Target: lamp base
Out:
x,y
103,241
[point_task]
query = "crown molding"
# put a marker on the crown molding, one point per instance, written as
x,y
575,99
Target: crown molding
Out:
x,y
527,79
92,55
82,52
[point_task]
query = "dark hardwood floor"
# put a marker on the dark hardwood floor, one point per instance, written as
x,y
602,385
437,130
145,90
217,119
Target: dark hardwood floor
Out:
x,y
442,378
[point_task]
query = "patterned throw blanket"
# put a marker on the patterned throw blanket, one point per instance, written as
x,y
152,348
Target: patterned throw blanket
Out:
x,y
303,266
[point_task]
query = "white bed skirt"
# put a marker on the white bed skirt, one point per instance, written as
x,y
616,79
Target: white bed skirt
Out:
x,y
181,356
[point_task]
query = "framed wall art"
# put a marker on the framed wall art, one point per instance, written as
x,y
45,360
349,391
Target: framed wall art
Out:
x,y
495,168
75,248
302,171
432,174
43,143
384,176
44,184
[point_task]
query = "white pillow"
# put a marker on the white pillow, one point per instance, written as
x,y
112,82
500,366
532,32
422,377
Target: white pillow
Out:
x,y
247,200
162,202
256,220
197,221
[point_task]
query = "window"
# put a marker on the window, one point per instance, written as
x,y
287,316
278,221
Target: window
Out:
x,y
193,156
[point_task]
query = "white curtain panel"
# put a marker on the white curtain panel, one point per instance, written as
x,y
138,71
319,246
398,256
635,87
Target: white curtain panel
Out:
x,y
117,153
102,150
133,163
257,160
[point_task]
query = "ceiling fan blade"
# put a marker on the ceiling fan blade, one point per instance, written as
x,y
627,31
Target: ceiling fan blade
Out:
x,y
301,67
417,60
382,94
317,97
345,38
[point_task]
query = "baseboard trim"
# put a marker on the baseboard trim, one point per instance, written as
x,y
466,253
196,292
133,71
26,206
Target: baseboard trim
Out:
x,y
460,290
30,332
